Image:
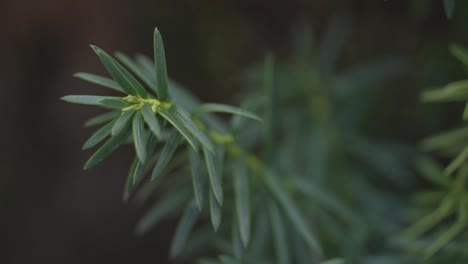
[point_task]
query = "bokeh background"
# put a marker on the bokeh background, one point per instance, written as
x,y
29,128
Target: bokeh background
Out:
x,y
51,211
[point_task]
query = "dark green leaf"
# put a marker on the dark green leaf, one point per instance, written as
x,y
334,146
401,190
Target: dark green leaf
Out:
x,y
142,167
237,245
242,195
102,118
451,232
138,169
446,140
291,210
180,127
146,64
446,208
279,235
195,166
160,66
457,162
166,154
99,135
110,146
465,112
460,53
261,232
139,137
455,91
87,99
214,175
122,121
182,116
323,198
151,120
215,211
184,228
222,108
301,252
150,187
129,181
117,103
431,170
128,83
182,97
99,80
135,68
169,204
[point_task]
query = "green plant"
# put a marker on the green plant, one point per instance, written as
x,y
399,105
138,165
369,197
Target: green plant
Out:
x,y
165,118
293,184
449,194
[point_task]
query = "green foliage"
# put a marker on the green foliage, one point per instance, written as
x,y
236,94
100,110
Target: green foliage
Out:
x,y
449,198
292,184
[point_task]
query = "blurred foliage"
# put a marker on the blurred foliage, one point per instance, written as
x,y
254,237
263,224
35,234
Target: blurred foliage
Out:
x,y
315,182
449,195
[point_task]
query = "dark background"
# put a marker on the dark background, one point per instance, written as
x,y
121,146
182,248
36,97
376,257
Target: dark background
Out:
x,y
51,211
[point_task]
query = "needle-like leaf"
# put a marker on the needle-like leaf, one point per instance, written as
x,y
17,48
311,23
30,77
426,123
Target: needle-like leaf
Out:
x,y
447,139
214,175
457,162
445,209
237,245
242,196
122,121
279,235
126,81
460,53
102,118
110,146
138,169
215,211
151,120
87,99
465,112
99,80
129,181
455,91
195,166
222,108
324,198
99,135
183,117
134,67
138,137
180,127
166,154
112,102
431,171
160,66
184,228
451,232
291,210
169,204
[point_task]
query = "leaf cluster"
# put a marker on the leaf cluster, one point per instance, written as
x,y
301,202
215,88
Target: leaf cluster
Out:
x,y
292,184
449,194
